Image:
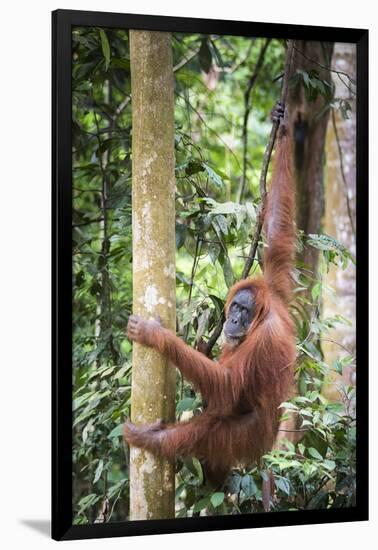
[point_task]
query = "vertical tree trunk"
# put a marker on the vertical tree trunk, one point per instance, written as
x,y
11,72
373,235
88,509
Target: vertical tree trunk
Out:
x,y
339,222
153,380
309,132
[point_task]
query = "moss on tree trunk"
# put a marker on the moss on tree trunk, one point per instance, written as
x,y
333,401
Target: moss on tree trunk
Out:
x,y
153,380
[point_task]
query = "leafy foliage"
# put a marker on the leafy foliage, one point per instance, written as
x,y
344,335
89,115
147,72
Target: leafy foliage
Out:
x,y
101,270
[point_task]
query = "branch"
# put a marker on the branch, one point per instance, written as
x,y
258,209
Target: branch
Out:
x,y
265,165
88,222
339,73
241,63
351,80
349,352
122,106
290,431
106,304
323,482
194,267
215,334
209,128
184,61
247,110
80,191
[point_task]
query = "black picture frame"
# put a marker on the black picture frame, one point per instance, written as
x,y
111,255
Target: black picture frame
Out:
x,y
62,23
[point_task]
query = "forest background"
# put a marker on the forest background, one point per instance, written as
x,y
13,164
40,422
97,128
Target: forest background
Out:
x,y
224,89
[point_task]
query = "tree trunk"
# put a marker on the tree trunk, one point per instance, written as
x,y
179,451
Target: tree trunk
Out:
x,y
309,132
153,162
339,222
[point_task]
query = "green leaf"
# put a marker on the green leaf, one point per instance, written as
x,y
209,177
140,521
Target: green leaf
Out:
x,y
83,416
329,418
108,371
99,470
217,499
302,399
214,177
105,48
218,303
306,423
249,486
251,211
234,483
316,290
347,360
201,504
338,367
330,244
289,446
181,232
306,412
222,223
194,466
78,401
203,322
314,453
225,207
121,64
282,484
122,372
87,428
329,464
227,272
214,250
320,86
186,404
289,406
116,487
306,78
319,500
117,431
88,501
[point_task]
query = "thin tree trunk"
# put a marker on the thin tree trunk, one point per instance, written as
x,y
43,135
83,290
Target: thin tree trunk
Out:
x,y
339,222
153,380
